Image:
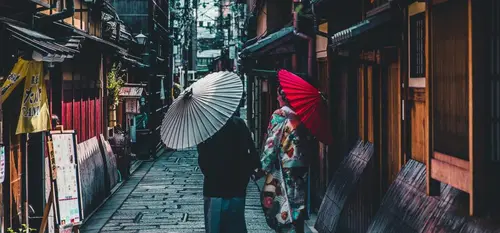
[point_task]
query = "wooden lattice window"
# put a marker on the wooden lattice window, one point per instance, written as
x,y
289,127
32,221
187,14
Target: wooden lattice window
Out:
x,y
417,45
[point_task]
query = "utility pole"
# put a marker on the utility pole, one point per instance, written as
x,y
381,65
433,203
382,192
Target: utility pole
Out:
x,y
187,27
147,60
220,30
172,41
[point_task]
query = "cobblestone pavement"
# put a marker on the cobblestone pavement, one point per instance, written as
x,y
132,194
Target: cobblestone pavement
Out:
x,y
165,196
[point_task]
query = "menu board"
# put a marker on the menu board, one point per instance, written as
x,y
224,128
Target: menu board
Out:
x,y
68,228
67,180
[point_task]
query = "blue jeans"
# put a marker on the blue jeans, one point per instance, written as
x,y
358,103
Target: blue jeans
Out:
x,y
225,215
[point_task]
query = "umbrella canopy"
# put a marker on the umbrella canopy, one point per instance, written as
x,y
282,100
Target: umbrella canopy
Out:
x,y
308,103
201,110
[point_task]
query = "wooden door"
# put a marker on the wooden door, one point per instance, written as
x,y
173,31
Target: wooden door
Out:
x,y
361,103
393,135
418,117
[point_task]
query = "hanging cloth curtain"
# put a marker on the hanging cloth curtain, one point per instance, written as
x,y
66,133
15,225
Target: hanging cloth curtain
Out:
x,y
34,115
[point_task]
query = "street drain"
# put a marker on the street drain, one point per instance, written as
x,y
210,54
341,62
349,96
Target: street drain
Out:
x,y
185,217
138,217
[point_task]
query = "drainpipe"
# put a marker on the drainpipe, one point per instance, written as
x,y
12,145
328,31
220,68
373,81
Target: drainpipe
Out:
x,y
67,12
310,44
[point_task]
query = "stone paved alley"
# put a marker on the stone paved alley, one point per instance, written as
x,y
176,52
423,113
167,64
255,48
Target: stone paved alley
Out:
x,y
165,196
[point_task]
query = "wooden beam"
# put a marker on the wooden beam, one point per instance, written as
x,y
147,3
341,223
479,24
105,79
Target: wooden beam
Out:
x,y
470,92
433,186
478,117
435,2
46,211
452,160
415,8
369,106
449,174
41,3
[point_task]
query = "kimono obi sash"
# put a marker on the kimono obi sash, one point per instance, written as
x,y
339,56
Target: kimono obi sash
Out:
x,y
293,163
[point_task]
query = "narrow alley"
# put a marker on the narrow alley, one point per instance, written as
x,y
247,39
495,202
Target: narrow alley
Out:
x,y
165,196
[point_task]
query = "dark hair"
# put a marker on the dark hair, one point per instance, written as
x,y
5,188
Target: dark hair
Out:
x,y
282,94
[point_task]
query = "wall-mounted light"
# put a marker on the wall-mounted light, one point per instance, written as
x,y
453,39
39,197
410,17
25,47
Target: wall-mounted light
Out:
x,y
141,39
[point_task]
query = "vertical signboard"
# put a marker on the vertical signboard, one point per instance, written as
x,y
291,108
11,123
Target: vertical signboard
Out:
x,y
67,180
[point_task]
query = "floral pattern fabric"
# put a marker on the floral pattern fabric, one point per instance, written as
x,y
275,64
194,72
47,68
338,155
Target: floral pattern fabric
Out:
x,y
283,196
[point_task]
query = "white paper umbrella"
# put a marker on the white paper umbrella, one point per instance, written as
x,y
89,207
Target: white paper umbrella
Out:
x,y
201,110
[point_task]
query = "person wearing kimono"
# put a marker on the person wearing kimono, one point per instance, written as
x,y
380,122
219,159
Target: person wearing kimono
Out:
x,y
286,167
227,160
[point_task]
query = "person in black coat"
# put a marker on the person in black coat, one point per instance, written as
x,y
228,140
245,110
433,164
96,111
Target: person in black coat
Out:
x,y
227,160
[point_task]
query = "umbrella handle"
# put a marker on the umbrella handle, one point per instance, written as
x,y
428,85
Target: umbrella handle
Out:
x,y
323,96
188,93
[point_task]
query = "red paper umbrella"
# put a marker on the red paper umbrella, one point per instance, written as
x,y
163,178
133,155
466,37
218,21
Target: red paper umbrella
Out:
x,y
308,103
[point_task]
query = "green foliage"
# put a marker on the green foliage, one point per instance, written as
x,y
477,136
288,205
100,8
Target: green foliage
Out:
x,y
24,229
115,82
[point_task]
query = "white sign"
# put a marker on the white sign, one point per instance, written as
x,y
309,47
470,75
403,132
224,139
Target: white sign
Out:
x,y
67,179
232,52
132,106
2,164
162,90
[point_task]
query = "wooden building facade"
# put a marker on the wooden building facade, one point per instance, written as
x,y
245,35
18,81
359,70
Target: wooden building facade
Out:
x,y
416,79
152,18
280,38
67,36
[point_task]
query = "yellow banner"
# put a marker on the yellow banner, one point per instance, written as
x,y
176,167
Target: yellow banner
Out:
x,y
16,76
35,115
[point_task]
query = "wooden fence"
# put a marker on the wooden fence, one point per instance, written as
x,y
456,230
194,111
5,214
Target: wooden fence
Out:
x,y
348,205
110,162
98,172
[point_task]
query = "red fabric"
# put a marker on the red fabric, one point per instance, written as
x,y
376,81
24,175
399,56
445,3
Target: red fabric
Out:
x,y
67,114
92,117
308,104
99,129
84,126
77,116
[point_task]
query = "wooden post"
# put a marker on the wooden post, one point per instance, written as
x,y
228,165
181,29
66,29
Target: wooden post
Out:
x,y
433,186
46,211
478,117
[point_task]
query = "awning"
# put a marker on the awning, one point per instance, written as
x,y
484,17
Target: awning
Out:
x,y
131,92
268,43
131,59
73,42
362,27
46,46
107,45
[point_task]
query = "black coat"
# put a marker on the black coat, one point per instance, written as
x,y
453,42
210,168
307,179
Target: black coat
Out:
x,y
227,160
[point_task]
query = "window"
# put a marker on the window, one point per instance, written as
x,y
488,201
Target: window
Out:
x,y
417,45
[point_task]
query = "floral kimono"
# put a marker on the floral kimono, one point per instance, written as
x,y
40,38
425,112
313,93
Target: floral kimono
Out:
x,y
283,197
